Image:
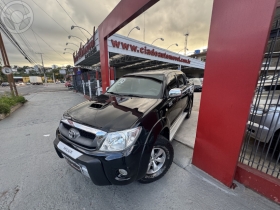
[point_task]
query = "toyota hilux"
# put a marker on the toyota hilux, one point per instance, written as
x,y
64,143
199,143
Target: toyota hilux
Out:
x,y
125,134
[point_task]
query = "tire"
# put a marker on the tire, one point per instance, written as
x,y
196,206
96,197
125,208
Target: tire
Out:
x,y
161,145
189,109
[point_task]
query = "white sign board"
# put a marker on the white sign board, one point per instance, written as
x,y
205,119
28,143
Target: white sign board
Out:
x,y
126,46
123,45
62,71
7,70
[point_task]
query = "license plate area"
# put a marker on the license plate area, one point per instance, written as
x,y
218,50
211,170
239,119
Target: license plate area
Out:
x,y
72,163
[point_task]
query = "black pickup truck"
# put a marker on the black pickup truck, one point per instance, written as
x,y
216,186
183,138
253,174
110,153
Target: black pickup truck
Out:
x,y
124,135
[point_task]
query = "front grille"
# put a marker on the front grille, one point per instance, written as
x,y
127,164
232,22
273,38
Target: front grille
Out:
x,y
85,141
82,133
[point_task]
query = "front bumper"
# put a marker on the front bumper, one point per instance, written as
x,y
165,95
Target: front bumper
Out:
x,y
257,131
103,167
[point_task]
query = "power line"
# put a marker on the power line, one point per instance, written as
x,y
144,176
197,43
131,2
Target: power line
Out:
x,y
70,18
48,45
51,17
48,58
23,38
14,42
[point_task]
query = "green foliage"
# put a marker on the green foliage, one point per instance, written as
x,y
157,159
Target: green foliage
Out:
x,y
4,108
20,99
6,102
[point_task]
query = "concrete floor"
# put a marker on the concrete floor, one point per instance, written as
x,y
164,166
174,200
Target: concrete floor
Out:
x,y
33,177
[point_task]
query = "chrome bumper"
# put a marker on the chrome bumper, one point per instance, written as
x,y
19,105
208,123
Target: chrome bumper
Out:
x,y
257,131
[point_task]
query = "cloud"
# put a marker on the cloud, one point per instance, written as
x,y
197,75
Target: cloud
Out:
x,y
169,19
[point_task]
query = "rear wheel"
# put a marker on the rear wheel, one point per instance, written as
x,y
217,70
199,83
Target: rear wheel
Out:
x,y
160,161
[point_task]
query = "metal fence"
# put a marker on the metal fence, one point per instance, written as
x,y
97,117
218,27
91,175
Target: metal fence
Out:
x,y
86,83
261,146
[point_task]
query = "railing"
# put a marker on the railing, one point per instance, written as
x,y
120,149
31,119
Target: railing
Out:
x,y
261,147
85,85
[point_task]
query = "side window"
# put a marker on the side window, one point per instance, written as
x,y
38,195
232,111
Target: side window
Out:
x,y
171,82
181,80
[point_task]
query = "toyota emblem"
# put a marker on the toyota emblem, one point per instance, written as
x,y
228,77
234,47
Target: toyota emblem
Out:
x,y
73,133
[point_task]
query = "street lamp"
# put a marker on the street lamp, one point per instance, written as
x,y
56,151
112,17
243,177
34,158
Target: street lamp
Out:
x,y
186,41
72,27
69,49
68,53
69,37
71,43
172,45
137,27
182,49
157,39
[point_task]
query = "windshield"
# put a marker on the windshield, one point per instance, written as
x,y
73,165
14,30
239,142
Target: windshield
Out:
x,y
137,86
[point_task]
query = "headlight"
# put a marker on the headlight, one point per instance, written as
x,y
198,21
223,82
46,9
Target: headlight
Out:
x,y
118,141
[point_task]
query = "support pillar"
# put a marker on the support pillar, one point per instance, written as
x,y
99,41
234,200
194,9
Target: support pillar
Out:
x,y
122,14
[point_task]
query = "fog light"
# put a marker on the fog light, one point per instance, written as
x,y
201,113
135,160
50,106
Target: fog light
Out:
x,y
123,172
84,171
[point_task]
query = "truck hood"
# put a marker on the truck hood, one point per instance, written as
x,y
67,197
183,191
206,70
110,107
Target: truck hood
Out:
x,y
112,113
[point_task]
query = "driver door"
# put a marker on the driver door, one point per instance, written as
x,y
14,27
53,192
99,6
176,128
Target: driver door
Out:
x,y
173,104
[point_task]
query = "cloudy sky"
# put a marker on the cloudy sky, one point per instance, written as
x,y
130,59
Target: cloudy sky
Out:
x,y
169,19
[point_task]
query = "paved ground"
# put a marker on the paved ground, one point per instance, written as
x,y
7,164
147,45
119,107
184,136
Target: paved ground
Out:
x,y
28,89
33,177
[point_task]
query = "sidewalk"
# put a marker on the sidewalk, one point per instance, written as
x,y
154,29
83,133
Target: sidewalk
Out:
x,y
33,177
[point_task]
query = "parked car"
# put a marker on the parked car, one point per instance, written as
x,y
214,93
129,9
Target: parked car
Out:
x,y
269,82
264,125
68,83
197,84
125,134
4,84
20,84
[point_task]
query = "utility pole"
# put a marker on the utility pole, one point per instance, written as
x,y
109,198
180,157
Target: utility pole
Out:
x,y
44,71
186,42
144,28
11,81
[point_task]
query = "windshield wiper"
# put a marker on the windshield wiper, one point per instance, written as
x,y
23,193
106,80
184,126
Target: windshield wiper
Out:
x,y
114,93
131,95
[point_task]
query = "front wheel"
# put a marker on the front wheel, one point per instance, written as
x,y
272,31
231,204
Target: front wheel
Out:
x,y
160,161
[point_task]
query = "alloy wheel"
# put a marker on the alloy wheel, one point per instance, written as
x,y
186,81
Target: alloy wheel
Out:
x,y
157,160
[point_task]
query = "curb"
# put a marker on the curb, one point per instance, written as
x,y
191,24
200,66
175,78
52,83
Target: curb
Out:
x,y
13,109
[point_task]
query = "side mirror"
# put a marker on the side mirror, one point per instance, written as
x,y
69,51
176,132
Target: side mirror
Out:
x,y
175,92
